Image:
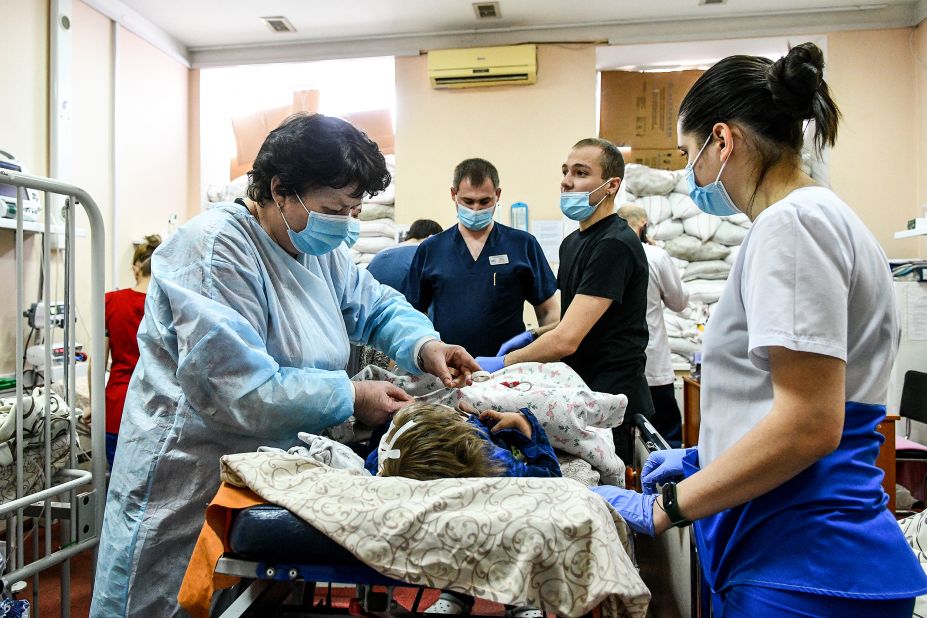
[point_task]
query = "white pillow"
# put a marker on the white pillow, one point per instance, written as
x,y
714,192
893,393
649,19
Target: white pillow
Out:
x,y
689,248
372,244
739,219
703,226
372,212
684,347
378,227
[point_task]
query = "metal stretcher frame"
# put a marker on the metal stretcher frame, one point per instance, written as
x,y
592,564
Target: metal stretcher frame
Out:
x,y
80,515
267,585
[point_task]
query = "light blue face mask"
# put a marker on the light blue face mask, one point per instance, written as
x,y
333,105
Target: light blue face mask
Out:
x,y
323,233
475,220
353,232
575,204
713,197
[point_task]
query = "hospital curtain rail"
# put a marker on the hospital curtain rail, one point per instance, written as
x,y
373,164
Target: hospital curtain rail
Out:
x,y
56,498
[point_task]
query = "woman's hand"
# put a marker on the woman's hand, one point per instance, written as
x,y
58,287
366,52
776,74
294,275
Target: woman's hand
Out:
x,y
450,363
376,401
506,420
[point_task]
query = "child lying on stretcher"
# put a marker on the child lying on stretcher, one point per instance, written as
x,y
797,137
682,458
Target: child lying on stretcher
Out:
x,y
427,441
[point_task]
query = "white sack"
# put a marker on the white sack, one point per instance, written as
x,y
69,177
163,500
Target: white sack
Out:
x,y
711,269
683,206
643,181
703,226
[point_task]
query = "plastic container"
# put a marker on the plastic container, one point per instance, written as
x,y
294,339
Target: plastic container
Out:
x,y
518,216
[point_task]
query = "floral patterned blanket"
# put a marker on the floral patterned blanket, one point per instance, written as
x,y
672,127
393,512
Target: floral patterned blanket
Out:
x,y
577,420
549,543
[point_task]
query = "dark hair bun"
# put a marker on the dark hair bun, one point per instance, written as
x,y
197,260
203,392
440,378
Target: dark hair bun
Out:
x,y
794,80
151,242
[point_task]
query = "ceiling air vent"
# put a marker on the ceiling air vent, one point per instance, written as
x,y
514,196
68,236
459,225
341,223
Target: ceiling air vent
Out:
x,y
278,23
486,10
707,2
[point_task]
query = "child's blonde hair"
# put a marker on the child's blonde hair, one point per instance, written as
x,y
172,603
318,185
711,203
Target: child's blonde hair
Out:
x,y
440,444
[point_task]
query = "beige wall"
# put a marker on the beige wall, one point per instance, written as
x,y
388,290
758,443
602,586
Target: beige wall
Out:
x,y
154,152
525,131
152,158
919,44
874,164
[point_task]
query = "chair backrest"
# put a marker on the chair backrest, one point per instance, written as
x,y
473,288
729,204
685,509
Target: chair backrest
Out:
x,y
914,396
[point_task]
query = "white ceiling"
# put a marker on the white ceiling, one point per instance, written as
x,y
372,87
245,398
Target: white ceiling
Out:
x,y
212,32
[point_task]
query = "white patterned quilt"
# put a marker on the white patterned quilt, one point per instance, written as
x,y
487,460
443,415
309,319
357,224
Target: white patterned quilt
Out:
x,y
549,543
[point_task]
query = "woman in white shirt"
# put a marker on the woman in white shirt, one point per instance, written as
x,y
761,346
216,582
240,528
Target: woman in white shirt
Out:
x,y
789,512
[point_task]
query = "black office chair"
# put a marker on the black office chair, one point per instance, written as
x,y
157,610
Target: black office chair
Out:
x,y
912,457
913,399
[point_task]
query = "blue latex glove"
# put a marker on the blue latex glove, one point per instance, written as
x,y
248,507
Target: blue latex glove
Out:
x,y
636,509
491,364
516,343
663,466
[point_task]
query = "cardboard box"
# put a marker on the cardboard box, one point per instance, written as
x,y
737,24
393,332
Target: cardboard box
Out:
x,y
640,109
378,125
671,160
251,130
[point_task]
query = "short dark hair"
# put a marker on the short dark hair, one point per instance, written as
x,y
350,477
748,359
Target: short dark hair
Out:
x,y
423,228
771,99
476,171
309,151
611,159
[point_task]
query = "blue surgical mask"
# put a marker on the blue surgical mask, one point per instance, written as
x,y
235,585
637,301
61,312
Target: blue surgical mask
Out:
x,y
475,220
575,204
322,234
713,197
353,232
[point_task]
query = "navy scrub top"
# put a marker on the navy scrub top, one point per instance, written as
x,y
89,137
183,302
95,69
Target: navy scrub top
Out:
x,y
479,304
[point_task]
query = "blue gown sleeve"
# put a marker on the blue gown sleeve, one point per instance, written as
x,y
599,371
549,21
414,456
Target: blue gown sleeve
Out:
x,y
377,315
416,287
218,313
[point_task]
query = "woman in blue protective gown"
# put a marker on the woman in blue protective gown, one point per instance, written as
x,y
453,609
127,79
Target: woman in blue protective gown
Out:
x,y
249,316
790,516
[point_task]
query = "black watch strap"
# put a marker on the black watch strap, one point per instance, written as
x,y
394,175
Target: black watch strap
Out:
x,y
671,506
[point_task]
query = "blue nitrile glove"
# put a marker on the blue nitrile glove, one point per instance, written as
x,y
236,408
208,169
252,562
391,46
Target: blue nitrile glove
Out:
x,y
491,364
663,466
516,343
636,509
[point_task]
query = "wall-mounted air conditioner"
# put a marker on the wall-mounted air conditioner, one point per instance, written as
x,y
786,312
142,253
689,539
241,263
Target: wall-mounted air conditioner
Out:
x,y
483,66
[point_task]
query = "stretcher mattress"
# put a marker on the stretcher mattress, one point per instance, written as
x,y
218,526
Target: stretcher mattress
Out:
x,y
274,534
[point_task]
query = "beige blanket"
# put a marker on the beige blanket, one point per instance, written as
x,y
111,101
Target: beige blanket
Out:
x,y
549,543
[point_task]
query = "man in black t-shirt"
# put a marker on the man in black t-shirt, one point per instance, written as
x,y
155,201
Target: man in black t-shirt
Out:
x,y
603,280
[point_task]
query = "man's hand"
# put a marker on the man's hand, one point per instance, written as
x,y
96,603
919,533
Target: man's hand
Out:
x,y
450,363
506,420
376,401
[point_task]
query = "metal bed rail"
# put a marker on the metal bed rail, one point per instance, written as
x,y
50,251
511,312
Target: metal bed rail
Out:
x,y
79,515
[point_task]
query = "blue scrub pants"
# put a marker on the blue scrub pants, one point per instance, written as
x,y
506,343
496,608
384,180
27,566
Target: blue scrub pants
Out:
x,y
111,440
759,602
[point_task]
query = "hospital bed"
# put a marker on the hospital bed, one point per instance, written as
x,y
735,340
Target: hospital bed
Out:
x,y
283,561
49,500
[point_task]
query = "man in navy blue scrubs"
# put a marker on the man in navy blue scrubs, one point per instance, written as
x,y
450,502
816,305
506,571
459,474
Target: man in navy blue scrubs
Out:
x,y
477,275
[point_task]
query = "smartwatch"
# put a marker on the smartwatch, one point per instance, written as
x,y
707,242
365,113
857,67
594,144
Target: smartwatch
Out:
x,y
671,507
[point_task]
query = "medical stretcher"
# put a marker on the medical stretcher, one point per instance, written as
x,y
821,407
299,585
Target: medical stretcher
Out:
x,y
283,561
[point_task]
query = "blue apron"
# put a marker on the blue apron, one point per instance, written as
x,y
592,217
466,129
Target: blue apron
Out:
x,y
825,532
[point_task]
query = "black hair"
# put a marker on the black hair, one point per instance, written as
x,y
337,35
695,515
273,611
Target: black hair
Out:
x,y
423,228
309,151
769,99
476,171
611,160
